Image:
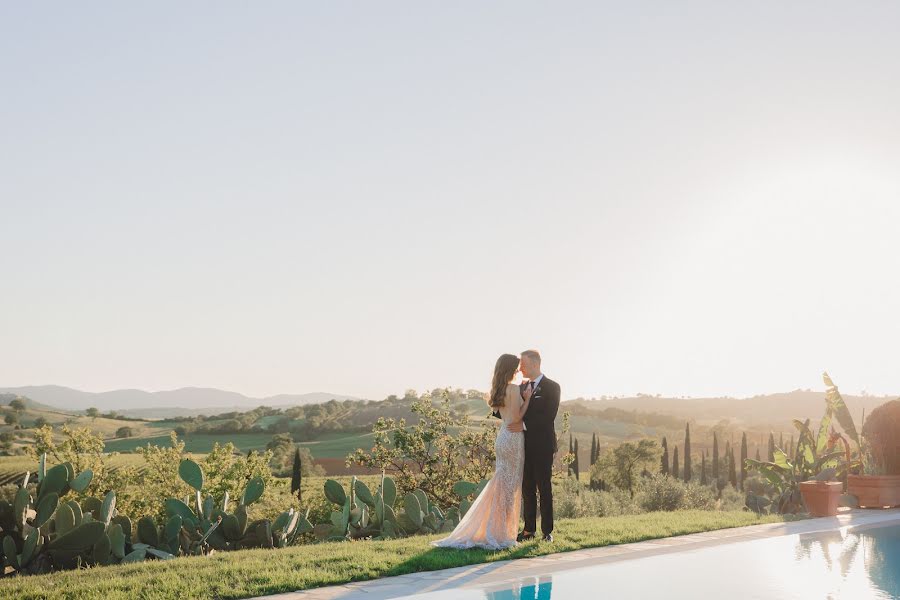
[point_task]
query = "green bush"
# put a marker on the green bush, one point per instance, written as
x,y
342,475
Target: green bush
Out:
x,y
616,502
571,500
659,492
882,432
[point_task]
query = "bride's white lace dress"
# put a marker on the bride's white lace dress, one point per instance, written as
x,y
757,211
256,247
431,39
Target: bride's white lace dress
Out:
x,y
493,519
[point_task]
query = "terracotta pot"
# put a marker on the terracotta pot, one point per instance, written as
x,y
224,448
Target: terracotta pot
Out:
x,y
821,497
875,491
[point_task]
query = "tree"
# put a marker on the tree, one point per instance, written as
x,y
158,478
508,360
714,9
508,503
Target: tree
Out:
x,y
771,455
743,459
664,464
687,453
675,469
433,454
622,464
593,449
571,467
757,454
732,471
124,432
715,466
92,412
297,476
575,462
17,405
703,469
10,418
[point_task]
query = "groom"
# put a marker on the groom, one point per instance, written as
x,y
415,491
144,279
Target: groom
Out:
x,y
540,445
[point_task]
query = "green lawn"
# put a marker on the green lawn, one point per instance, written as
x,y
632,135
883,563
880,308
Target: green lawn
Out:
x,y
256,572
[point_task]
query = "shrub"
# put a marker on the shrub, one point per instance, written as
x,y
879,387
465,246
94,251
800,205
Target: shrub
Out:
x,y
433,454
730,499
616,502
623,464
571,500
659,492
882,432
124,432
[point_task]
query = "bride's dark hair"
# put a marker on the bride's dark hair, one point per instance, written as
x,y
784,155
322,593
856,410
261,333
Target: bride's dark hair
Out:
x,y
504,371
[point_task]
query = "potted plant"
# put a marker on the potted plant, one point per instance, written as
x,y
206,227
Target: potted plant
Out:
x,y
821,494
805,475
877,484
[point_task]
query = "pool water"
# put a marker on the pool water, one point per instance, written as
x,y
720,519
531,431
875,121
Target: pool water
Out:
x,y
851,563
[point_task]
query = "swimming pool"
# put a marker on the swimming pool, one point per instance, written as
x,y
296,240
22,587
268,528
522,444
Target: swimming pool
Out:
x,y
852,562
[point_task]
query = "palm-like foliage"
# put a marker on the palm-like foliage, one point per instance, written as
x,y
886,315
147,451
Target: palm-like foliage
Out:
x,y
813,457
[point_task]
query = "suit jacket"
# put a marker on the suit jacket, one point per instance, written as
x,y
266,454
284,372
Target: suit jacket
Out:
x,y
540,418
540,430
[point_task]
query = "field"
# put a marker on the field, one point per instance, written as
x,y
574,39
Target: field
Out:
x,y
13,468
196,443
329,450
248,573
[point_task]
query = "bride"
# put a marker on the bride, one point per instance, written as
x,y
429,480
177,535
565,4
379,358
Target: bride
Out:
x,y
492,521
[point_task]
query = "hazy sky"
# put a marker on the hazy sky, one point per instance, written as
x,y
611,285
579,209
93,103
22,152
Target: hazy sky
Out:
x,y
363,197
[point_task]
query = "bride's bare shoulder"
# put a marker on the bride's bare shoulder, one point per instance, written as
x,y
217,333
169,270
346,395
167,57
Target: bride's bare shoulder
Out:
x,y
513,389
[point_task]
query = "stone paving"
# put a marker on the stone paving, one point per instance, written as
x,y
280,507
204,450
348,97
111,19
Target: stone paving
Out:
x,y
511,570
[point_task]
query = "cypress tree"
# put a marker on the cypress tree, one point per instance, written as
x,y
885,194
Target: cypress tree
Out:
x,y
664,467
675,463
575,463
732,471
703,469
571,451
715,467
595,448
757,454
771,456
781,440
297,476
743,458
687,452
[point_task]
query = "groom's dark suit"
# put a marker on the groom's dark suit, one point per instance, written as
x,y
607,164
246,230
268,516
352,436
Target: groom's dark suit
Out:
x,y
540,446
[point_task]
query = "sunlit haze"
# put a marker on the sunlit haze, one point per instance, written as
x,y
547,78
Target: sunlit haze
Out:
x,y
680,198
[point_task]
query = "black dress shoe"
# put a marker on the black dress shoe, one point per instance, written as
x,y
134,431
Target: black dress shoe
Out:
x,y
524,536
548,537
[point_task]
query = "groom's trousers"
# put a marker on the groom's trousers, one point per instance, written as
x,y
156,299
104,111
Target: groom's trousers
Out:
x,y
536,480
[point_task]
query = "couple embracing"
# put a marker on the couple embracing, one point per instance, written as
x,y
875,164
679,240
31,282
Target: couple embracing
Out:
x,y
526,443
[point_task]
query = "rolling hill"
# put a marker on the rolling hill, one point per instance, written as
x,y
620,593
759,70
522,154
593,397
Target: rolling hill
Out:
x,y
171,403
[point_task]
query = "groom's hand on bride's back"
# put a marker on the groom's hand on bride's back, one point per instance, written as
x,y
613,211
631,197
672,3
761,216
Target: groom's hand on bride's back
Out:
x,y
517,426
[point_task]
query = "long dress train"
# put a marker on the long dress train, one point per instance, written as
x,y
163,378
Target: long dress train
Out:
x,y
492,521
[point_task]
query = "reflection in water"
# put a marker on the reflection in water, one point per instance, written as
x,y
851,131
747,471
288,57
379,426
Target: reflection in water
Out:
x,y
873,553
533,589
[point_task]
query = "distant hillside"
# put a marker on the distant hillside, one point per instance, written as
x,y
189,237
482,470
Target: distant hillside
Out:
x,y
6,398
154,404
769,409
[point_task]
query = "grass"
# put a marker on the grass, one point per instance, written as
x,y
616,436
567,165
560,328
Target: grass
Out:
x,y
256,572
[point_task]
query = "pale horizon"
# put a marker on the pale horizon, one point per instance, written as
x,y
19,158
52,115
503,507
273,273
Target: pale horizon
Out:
x,y
366,198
